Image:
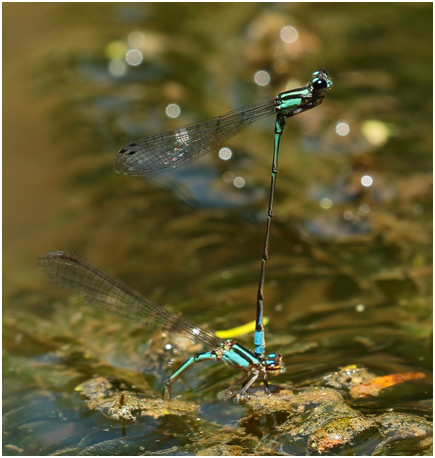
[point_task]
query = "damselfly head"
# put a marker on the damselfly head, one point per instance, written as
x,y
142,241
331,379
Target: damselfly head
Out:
x,y
321,80
274,364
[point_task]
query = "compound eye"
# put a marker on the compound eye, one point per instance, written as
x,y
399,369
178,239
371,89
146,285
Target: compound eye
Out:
x,y
320,84
274,363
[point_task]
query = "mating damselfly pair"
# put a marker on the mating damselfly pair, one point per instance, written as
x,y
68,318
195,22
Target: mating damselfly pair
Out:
x,y
170,150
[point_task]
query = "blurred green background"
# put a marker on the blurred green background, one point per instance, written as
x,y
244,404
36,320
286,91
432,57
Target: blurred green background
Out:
x,y
349,279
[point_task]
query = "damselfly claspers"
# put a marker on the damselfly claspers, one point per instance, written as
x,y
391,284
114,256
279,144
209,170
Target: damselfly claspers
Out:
x,y
94,287
178,147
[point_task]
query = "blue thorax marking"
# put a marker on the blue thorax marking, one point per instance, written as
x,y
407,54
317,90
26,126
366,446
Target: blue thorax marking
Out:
x,y
239,356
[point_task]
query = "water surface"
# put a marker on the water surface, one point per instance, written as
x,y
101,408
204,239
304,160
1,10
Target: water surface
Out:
x,y
348,288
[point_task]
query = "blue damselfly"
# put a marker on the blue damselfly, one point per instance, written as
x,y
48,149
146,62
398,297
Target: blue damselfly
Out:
x,y
92,286
178,147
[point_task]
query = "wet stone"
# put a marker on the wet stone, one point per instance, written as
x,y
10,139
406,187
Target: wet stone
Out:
x,y
126,405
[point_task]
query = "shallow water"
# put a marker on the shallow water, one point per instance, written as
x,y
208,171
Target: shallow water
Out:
x,y
348,282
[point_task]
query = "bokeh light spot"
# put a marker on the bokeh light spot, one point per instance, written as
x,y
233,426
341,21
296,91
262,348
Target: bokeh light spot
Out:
x,y
136,39
173,110
366,180
117,67
364,209
326,203
134,57
239,182
342,128
228,177
360,308
348,215
262,78
115,50
375,132
289,34
225,154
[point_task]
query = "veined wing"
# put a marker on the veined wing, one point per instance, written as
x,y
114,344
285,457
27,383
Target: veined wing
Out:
x,y
178,147
94,287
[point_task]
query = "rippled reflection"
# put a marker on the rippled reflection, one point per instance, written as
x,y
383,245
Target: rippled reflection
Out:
x,y
356,170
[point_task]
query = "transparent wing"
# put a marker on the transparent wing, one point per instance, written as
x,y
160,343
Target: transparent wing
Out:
x,y
178,147
94,287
